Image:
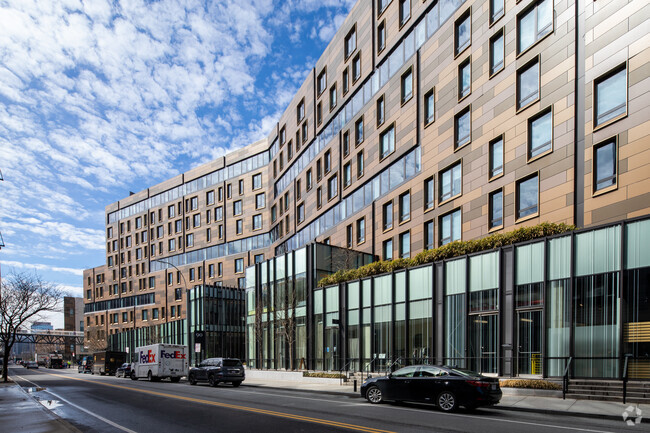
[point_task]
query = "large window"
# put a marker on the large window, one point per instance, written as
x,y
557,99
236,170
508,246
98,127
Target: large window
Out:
x,y
405,245
257,181
462,32
257,222
388,216
540,133
237,207
497,9
450,182
462,128
260,201
605,165
450,227
464,78
534,23
387,142
528,83
497,56
388,249
527,196
404,207
407,85
496,209
496,157
610,96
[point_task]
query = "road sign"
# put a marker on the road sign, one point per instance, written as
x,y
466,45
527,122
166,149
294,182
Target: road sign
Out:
x,y
197,347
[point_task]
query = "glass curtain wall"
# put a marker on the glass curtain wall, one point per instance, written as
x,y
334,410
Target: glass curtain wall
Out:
x,y
529,278
332,355
596,303
483,309
420,315
353,331
366,332
455,312
300,290
381,331
399,352
318,329
558,310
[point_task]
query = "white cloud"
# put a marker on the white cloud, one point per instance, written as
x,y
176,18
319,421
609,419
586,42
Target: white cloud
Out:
x,y
41,267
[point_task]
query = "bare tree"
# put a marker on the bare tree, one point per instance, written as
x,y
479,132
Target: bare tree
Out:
x,y
95,341
259,328
23,298
287,323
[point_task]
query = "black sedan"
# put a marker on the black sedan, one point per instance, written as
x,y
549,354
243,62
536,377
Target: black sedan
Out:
x,y
215,370
446,387
124,370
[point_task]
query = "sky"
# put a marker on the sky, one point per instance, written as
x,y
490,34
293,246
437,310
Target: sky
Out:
x,y
99,98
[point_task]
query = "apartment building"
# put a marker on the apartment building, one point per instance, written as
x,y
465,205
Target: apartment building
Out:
x,y
422,123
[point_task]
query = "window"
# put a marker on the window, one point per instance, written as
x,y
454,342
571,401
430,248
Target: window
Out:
x,y
196,220
497,9
387,142
358,131
237,207
356,67
218,213
605,161
348,235
347,175
387,249
229,190
464,78
381,5
145,315
259,258
407,85
319,197
178,294
404,207
208,235
321,82
534,23
304,132
319,174
405,245
257,181
429,196
496,157
219,269
260,200
239,227
239,266
345,79
220,231
283,135
192,274
301,213
346,143
462,33
319,116
241,187
462,130
428,235
360,166
189,240
138,223
172,245
610,96
450,227
381,36
327,162
172,311
300,111
332,187
527,196
380,110
496,209
350,42
497,56
528,83
450,182
404,11
286,201
220,194
257,222
308,179
361,231
540,133
387,214
332,97
429,107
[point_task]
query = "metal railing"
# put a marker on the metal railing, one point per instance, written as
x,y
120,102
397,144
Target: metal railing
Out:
x,y
565,378
345,368
366,368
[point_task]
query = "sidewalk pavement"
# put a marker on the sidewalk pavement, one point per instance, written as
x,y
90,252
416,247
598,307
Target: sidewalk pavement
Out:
x,y
511,400
22,413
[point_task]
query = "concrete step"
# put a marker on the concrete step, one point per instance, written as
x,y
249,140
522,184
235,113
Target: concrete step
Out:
x,y
629,399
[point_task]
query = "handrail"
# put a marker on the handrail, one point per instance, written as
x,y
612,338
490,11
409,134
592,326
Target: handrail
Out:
x,y
389,366
369,364
346,368
565,378
625,378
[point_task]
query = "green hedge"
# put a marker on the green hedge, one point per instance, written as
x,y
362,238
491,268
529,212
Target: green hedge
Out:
x,y
451,250
529,384
322,375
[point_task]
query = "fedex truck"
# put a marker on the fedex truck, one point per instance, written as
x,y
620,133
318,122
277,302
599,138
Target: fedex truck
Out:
x,y
159,361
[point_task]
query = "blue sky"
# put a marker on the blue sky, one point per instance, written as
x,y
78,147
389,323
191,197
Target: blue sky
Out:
x,y
99,98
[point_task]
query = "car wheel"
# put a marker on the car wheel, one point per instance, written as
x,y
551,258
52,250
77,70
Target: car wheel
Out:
x,y
192,379
236,384
212,381
447,401
175,379
374,395
133,376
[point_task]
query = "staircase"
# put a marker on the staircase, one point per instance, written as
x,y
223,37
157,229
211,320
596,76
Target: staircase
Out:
x,y
609,390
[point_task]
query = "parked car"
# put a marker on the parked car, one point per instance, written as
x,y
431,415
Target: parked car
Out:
x,y
124,370
446,387
215,370
31,364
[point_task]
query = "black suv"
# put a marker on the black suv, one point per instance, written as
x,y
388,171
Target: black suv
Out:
x,y
215,370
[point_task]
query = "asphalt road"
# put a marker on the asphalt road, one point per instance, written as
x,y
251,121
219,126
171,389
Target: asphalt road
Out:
x,y
109,404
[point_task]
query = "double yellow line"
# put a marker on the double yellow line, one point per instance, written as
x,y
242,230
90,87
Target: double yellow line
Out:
x,y
236,407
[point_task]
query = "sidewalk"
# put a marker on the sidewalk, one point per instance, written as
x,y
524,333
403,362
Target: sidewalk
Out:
x,y
509,401
22,413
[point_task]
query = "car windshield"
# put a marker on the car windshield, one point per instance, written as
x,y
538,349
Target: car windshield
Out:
x,y
405,372
232,363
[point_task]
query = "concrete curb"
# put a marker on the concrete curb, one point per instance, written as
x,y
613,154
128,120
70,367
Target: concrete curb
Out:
x,y
348,394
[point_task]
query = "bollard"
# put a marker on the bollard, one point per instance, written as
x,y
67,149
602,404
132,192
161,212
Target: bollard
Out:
x,y
355,385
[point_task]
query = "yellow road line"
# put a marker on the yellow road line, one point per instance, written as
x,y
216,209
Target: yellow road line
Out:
x,y
233,406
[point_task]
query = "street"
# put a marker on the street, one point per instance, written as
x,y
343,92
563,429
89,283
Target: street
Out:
x,y
109,404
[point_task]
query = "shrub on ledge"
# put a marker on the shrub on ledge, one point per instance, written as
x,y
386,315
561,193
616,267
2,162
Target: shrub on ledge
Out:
x,y
448,251
529,384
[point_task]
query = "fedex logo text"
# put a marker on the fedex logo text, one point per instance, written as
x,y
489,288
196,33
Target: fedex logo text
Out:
x,y
146,358
172,355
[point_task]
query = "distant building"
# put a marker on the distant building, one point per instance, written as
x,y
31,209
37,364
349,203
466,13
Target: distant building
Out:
x,y
42,326
73,320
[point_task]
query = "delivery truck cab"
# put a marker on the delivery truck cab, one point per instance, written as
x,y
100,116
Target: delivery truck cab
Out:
x,y
107,362
160,361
